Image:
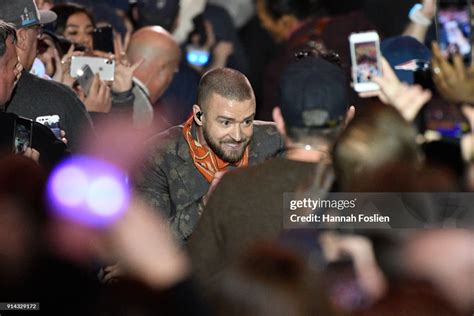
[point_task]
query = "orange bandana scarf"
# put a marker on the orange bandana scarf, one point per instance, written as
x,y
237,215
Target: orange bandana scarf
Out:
x,y
204,158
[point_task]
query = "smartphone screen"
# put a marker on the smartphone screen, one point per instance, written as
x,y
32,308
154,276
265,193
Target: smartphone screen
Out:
x,y
365,55
197,57
454,30
52,122
104,39
23,135
366,61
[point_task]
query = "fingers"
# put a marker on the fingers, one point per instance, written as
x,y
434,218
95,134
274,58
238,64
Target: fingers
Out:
x,y
137,65
443,67
127,39
70,50
63,137
369,94
388,72
112,272
95,86
459,67
31,153
118,47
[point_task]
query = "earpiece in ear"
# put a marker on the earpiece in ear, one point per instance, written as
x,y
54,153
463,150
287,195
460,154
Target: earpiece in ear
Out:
x,y
198,115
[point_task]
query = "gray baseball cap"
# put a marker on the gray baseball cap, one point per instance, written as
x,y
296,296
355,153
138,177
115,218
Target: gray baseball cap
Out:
x,y
24,13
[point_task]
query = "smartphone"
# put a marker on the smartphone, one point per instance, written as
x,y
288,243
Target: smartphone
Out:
x,y
454,29
365,55
23,133
51,121
197,56
85,78
103,38
103,66
65,44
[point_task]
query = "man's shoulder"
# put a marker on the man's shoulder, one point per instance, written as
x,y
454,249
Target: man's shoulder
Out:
x,y
166,142
30,80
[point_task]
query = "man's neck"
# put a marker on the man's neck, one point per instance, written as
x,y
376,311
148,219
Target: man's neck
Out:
x,y
200,135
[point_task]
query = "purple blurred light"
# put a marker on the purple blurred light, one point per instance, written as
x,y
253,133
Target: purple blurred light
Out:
x,y
89,191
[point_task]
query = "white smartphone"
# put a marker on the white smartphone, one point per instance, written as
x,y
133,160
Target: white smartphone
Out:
x,y
365,55
51,121
103,66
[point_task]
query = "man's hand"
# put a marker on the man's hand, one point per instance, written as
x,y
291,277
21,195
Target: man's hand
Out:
x,y
66,66
63,137
33,154
212,186
123,69
111,273
144,246
221,53
454,81
99,98
429,8
408,100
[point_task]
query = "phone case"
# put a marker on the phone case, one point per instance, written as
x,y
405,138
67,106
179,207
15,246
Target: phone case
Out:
x,y
103,66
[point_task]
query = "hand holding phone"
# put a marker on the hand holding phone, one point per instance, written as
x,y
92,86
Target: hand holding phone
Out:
x,y
52,122
102,66
99,98
365,55
454,29
23,135
85,78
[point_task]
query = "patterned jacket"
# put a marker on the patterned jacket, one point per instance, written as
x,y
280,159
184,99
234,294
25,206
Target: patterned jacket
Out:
x,y
171,184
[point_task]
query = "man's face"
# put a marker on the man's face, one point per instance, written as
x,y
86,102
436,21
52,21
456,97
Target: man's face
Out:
x,y
28,55
163,78
10,71
228,126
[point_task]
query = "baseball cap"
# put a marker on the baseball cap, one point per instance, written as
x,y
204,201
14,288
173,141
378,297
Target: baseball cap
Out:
x,y
24,13
313,93
158,12
401,49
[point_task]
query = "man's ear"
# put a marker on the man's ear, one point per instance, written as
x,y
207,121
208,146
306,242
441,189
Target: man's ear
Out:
x,y
278,119
22,39
197,114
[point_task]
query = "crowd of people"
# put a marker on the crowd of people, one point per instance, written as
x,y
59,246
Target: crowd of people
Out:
x,y
215,114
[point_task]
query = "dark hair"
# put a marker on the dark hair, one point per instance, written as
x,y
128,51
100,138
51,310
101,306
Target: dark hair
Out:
x,y
64,11
228,83
6,30
301,9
